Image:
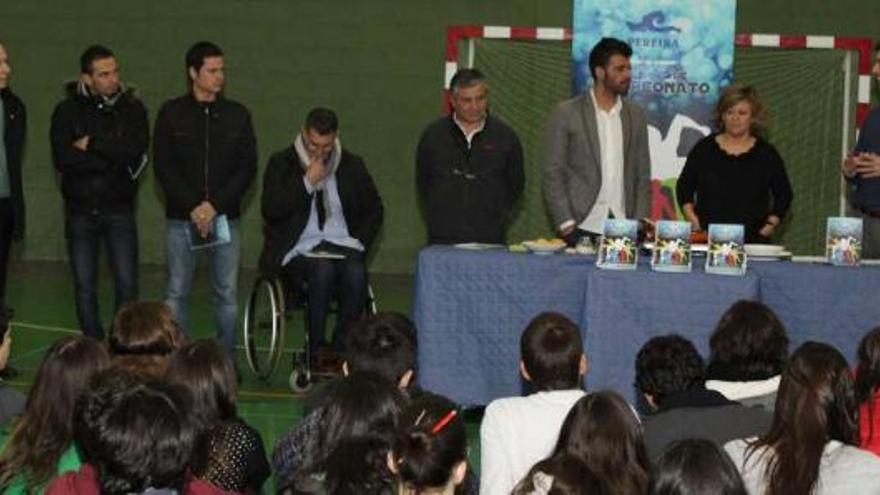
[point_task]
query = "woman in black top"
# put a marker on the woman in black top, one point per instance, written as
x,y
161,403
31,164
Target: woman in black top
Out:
x,y
734,176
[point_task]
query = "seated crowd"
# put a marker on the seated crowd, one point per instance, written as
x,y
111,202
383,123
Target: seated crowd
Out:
x,y
158,414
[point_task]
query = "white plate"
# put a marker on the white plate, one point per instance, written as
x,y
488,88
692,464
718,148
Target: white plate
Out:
x,y
541,248
764,250
785,255
477,245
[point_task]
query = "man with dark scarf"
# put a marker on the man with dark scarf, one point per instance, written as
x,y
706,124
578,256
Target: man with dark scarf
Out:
x,y
322,212
99,137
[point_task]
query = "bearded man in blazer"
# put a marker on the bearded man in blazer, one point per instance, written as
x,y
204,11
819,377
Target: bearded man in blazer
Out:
x,y
597,163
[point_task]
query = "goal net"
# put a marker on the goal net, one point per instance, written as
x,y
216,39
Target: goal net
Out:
x,y
804,90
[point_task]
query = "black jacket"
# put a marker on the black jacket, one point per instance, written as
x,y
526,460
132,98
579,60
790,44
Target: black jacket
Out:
x,y
15,125
99,178
286,204
204,151
468,194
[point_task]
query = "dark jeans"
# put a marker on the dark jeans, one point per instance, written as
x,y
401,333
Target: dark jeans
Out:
x,y
345,279
6,226
84,233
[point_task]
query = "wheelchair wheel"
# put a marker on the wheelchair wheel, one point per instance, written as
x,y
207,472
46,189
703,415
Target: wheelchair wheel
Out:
x,y
264,327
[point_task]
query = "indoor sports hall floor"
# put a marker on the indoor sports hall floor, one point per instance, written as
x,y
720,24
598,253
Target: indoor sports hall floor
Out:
x,y
42,295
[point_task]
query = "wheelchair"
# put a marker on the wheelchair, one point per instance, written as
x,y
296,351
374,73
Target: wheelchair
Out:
x,y
269,308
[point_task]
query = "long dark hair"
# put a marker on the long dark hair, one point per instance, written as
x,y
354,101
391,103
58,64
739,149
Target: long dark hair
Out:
x,y
695,466
749,343
868,375
603,432
430,443
204,368
815,403
45,429
362,405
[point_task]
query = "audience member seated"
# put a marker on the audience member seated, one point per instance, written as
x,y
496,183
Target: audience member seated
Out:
x,y
143,337
229,452
429,454
359,410
11,400
41,441
671,376
695,466
135,437
811,446
603,434
518,431
868,391
748,350
384,344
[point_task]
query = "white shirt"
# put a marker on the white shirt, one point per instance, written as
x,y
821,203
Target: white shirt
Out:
x,y
610,198
468,136
516,433
843,469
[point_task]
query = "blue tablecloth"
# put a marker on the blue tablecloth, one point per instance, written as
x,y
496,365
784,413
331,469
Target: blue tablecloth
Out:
x,y
470,308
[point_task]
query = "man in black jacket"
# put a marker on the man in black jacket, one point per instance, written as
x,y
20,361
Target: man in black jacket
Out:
x,y
322,212
99,138
469,168
205,154
12,129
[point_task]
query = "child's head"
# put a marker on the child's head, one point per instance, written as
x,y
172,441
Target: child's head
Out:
x,y
666,365
430,449
695,466
385,344
552,353
868,372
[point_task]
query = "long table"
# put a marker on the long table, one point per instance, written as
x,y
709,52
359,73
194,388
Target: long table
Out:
x,y
470,308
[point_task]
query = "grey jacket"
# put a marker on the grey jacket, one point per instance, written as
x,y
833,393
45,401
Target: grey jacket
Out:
x,y
572,168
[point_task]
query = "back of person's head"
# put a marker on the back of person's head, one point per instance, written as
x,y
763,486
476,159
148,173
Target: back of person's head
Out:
x,y
868,375
602,52
666,365
695,466
356,466
563,474
204,368
603,430
430,449
45,429
552,350
358,406
385,344
143,337
136,434
749,343
815,403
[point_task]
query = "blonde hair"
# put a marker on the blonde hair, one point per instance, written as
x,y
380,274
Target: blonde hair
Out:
x,y
736,93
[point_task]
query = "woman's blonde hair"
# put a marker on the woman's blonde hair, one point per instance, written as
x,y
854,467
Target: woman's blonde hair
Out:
x,y
738,92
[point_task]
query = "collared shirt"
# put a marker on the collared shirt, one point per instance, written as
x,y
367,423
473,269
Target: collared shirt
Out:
x,y
469,136
335,229
610,198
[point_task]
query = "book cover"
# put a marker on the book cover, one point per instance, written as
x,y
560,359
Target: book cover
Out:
x,y
726,254
617,247
672,247
843,241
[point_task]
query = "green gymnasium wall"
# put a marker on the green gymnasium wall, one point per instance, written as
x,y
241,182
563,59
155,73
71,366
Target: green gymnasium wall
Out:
x,y
377,62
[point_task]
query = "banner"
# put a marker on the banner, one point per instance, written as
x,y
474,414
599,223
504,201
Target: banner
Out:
x,y
682,57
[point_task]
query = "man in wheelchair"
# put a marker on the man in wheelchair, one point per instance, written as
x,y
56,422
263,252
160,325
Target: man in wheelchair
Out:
x,y
321,212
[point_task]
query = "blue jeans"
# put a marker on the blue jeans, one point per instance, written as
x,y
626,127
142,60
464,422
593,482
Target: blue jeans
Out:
x,y
223,261
84,232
